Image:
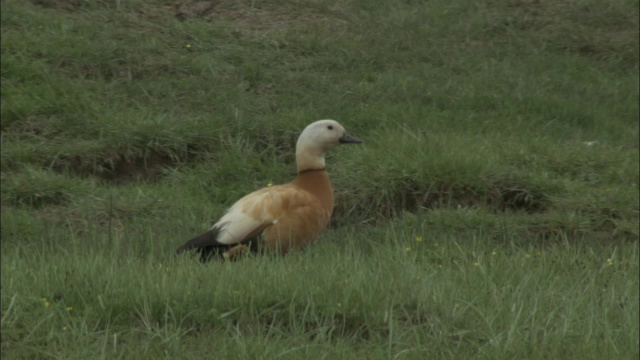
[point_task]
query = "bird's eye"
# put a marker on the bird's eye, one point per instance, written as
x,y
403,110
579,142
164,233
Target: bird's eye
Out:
x,y
330,127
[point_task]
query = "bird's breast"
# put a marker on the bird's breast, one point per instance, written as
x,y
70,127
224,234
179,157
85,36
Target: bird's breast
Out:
x,y
318,184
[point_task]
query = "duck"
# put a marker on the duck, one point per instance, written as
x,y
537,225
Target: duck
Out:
x,y
280,218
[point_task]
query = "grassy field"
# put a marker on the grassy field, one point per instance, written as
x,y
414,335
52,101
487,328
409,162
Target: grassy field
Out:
x,y
492,213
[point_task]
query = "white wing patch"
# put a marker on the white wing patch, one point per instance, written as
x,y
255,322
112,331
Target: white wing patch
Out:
x,y
238,222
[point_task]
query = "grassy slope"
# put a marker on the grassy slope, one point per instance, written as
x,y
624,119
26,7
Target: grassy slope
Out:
x,y
474,222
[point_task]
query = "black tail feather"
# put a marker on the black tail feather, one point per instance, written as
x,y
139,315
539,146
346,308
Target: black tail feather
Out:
x,y
206,244
209,248
204,240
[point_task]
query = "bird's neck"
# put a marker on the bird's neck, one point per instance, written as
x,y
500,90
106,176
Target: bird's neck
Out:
x,y
316,181
309,158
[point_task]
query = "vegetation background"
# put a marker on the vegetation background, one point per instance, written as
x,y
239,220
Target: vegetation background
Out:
x,y
492,212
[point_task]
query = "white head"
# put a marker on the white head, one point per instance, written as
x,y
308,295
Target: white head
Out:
x,y
318,138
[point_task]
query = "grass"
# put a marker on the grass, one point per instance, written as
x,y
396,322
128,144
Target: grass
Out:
x,y
492,212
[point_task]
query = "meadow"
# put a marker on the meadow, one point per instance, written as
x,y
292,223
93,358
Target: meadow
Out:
x,y
491,213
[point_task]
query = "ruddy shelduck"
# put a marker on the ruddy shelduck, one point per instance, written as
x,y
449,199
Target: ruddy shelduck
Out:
x,y
283,217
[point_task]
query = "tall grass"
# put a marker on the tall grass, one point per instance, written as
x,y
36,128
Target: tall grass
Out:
x,y
492,212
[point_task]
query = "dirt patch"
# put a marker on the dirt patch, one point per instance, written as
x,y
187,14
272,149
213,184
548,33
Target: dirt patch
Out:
x,y
501,198
59,4
123,167
252,17
195,9
147,167
509,198
414,196
38,199
27,128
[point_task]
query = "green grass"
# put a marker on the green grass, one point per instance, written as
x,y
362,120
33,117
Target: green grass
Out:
x,y
475,221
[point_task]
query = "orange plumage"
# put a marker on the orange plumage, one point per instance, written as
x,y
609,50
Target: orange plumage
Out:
x,y
284,217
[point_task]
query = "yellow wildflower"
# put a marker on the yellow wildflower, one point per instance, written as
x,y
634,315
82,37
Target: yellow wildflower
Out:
x,y
69,308
45,302
64,328
270,183
609,262
407,249
419,239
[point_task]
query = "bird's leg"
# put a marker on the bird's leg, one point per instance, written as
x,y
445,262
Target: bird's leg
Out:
x,y
236,251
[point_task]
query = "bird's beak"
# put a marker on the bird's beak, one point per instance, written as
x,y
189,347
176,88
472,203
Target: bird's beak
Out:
x,y
348,139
